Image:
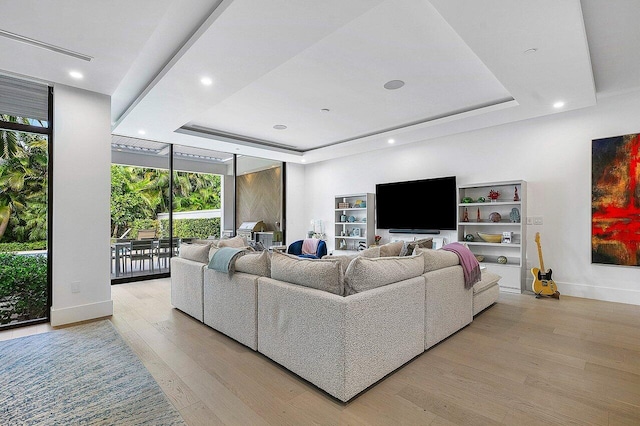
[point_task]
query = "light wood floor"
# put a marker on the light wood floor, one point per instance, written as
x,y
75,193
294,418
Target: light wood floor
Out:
x,y
524,361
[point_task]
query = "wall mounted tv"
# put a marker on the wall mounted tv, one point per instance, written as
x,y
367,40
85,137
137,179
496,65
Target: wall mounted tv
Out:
x,y
401,206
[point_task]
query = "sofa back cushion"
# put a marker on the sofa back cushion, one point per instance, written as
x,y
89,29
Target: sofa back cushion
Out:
x,y
256,263
322,274
366,273
195,252
392,249
235,242
437,259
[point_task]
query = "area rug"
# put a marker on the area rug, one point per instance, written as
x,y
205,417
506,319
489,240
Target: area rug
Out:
x,y
80,375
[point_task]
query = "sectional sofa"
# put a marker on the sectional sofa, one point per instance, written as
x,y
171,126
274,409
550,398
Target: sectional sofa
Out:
x,y
341,322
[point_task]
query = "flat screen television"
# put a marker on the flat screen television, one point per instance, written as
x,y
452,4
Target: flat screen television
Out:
x,y
417,206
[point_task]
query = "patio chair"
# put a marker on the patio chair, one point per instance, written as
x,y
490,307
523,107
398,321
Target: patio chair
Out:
x,y
165,250
141,251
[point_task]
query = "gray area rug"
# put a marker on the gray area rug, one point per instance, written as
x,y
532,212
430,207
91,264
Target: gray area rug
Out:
x,y
81,375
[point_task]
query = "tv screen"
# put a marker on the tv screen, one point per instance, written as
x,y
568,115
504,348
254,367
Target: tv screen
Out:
x,y
401,205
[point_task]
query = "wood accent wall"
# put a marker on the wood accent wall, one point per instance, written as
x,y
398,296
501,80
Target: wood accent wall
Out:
x,y
260,197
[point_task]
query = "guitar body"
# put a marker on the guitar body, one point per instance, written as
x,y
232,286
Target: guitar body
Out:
x,y
542,282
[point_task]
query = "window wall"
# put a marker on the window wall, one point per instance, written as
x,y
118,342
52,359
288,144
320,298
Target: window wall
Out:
x,y
25,173
154,210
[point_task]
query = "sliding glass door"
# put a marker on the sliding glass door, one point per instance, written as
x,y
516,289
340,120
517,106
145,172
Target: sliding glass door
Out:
x,y
162,196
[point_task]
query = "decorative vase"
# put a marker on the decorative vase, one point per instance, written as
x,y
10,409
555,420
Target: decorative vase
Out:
x,y
502,259
514,216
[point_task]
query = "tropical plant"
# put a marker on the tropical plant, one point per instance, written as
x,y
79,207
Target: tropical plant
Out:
x,y
23,186
141,193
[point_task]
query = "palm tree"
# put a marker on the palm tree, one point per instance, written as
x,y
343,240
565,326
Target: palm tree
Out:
x,y
23,185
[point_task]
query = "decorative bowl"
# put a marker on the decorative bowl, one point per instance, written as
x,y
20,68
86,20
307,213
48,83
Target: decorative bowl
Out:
x,y
490,238
479,257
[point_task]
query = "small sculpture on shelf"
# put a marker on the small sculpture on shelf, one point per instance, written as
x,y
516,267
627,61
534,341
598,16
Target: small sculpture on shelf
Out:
x,y
478,218
465,217
494,195
495,217
516,197
514,215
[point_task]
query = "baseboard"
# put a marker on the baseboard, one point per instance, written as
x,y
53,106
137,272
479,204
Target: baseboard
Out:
x,y
608,294
81,313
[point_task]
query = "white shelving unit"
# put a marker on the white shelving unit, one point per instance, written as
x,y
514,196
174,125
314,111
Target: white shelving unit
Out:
x,y
513,272
351,221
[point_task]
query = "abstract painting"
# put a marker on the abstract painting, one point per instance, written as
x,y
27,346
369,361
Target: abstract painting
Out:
x,y
615,200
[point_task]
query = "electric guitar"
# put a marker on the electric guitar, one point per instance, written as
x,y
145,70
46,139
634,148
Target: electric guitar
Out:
x,y
542,282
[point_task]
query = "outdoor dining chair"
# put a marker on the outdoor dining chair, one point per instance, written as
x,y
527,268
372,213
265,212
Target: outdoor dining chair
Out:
x,y
141,251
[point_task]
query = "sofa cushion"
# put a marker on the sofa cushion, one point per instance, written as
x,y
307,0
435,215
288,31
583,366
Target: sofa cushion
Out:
x,y
235,242
366,273
195,252
256,263
437,259
322,274
343,259
392,249
371,252
488,280
422,243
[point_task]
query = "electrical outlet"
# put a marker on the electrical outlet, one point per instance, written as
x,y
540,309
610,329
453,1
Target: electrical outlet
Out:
x,y
75,287
529,220
537,220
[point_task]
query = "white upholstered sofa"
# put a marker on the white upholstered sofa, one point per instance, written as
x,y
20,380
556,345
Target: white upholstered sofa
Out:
x,y
295,312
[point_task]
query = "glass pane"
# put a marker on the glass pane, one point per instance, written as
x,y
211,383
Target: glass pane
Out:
x,y
199,196
24,163
139,200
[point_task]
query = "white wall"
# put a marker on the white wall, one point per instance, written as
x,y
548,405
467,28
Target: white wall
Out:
x,y
81,190
553,154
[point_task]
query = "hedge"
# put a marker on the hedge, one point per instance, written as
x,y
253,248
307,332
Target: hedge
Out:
x,y
27,246
23,287
191,228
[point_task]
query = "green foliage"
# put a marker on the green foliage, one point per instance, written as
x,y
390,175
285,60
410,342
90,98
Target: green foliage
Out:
x,y
191,228
142,193
23,287
29,246
23,186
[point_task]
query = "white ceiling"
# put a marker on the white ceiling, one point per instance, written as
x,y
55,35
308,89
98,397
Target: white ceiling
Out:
x,y
465,66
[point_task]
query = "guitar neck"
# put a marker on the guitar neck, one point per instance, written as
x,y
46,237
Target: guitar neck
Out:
x,y
540,257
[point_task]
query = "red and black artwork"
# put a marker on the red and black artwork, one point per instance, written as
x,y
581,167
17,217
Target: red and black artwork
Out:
x,y
615,200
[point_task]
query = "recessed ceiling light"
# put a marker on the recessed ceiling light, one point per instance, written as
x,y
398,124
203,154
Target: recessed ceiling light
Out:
x,y
532,50
325,110
393,84
142,132
279,127
76,74
558,104
206,81
391,141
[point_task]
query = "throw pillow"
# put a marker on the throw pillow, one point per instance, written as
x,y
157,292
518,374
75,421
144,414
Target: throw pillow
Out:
x,y
194,252
256,245
255,263
235,242
321,274
437,259
422,243
366,273
391,249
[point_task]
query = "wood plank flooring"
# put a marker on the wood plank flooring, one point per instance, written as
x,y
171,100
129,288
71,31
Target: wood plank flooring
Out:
x,y
524,361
